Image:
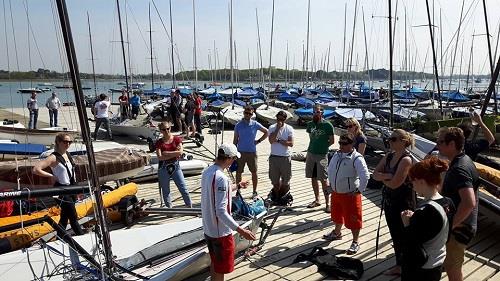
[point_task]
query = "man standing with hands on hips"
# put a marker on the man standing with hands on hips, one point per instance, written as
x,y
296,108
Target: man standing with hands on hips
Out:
x,y
218,224
320,138
280,163
245,132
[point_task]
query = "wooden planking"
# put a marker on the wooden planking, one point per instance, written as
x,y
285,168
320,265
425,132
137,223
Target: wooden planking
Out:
x,y
300,229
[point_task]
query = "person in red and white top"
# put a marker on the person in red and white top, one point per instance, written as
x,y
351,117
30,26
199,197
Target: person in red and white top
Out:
x,y
218,224
169,151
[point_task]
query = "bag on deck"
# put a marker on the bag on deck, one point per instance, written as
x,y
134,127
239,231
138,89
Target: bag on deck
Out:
x,y
335,267
239,207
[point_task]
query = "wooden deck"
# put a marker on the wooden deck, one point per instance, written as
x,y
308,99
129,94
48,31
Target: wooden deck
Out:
x,y
300,229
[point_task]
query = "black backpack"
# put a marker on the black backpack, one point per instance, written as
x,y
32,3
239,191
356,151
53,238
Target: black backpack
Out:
x,y
335,267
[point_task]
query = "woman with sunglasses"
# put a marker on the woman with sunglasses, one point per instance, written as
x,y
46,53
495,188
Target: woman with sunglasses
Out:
x,y
353,127
169,151
63,174
397,194
427,227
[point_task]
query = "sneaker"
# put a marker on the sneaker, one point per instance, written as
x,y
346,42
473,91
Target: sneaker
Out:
x,y
353,249
255,195
332,236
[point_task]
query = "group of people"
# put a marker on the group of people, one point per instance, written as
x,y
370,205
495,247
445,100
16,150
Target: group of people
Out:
x,y
53,104
185,116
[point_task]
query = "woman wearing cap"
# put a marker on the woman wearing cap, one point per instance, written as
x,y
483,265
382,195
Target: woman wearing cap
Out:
x,y
397,194
169,151
218,224
354,128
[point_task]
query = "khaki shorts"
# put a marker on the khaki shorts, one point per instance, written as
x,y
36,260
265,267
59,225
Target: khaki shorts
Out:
x,y
250,158
316,166
455,252
280,167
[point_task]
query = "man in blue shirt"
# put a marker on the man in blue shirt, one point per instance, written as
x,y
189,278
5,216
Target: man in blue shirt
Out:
x,y
245,132
135,102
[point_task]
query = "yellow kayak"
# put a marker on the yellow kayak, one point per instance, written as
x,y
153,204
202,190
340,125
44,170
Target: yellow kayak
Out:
x,y
22,237
488,173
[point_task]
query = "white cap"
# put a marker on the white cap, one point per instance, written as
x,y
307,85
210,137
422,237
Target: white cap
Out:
x,y
229,150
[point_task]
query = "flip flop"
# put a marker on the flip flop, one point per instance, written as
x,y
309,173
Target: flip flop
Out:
x,y
332,236
313,204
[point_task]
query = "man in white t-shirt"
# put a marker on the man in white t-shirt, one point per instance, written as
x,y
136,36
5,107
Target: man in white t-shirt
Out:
x,y
101,113
218,224
280,162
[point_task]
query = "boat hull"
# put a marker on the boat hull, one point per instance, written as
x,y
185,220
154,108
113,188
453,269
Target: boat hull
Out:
x,y
44,136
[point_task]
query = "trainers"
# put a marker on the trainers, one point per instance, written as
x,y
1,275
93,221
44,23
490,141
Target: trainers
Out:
x,y
353,249
332,236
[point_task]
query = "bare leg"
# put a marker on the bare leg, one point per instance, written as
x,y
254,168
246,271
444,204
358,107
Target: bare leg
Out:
x,y
314,182
355,235
214,276
454,274
338,228
325,187
254,181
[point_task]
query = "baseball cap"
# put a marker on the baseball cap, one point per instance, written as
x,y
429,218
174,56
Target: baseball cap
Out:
x,y
228,150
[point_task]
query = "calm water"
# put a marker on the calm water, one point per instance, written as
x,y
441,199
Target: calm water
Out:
x,y
10,98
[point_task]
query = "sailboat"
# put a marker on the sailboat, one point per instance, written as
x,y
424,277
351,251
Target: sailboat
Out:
x,y
173,251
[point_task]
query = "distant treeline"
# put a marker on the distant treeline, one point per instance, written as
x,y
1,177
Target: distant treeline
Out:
x,y
277,74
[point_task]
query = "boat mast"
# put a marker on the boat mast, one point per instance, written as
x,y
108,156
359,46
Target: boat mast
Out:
x,y
231,48
471,58
456,45
434,58
172,44
307,42
352,42
343,49
123,47
99,210
366,52
391,119
260,48
151,50
194,50
92,55
271,47
495,105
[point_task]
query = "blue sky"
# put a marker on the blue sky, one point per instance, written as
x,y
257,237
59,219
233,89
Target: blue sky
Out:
x,y
290,26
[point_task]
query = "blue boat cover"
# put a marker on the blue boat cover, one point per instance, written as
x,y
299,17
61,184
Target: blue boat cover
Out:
x,y
22,148
157,92
454,96
240,103
304,102
327,113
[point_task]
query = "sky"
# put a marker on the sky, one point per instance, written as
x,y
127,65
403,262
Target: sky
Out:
x,y
42,46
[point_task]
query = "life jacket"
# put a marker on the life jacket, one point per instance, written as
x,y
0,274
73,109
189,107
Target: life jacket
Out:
x,y
71,173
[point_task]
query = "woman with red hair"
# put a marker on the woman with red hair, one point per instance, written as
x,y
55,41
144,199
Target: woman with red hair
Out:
x,y
426,229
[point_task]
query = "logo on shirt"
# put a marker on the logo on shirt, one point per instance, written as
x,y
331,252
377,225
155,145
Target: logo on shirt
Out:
x,y
315,132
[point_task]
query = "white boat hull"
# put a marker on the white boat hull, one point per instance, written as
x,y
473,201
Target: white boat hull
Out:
x,y
267,114
44,136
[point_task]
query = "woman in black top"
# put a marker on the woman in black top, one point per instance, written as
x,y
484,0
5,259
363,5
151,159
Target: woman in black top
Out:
x,y
426,229
398,195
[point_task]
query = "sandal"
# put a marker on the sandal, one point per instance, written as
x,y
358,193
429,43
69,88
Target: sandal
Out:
x,y
332,236
327,209
313,204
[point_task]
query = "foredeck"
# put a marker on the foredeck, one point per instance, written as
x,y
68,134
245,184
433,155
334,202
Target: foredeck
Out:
x,y
300,229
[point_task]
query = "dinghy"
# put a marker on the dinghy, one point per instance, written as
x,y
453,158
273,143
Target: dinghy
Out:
x,y
13,150
189,167
267,114
234,115
43,136
112,164
306,114
29,90
141,128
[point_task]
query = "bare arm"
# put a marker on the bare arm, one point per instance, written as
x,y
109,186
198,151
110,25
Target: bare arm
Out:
x,y
38,168
288,142
400,176
331,140
486,132
265,134
378,173
361,148
467,204
235,138
273,135
165,155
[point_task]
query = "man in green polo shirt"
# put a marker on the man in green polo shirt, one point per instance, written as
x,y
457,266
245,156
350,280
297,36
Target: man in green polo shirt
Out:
x,y
321,136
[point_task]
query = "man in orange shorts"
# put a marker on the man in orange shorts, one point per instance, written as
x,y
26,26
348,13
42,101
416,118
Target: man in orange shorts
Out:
x,y
348,176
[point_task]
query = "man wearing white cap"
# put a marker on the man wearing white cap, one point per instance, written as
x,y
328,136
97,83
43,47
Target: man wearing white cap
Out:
x,y
218,224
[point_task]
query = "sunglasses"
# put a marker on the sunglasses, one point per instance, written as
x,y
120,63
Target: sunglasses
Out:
x,y
247,113
67,142
165,129
318,112
393,139
349,126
